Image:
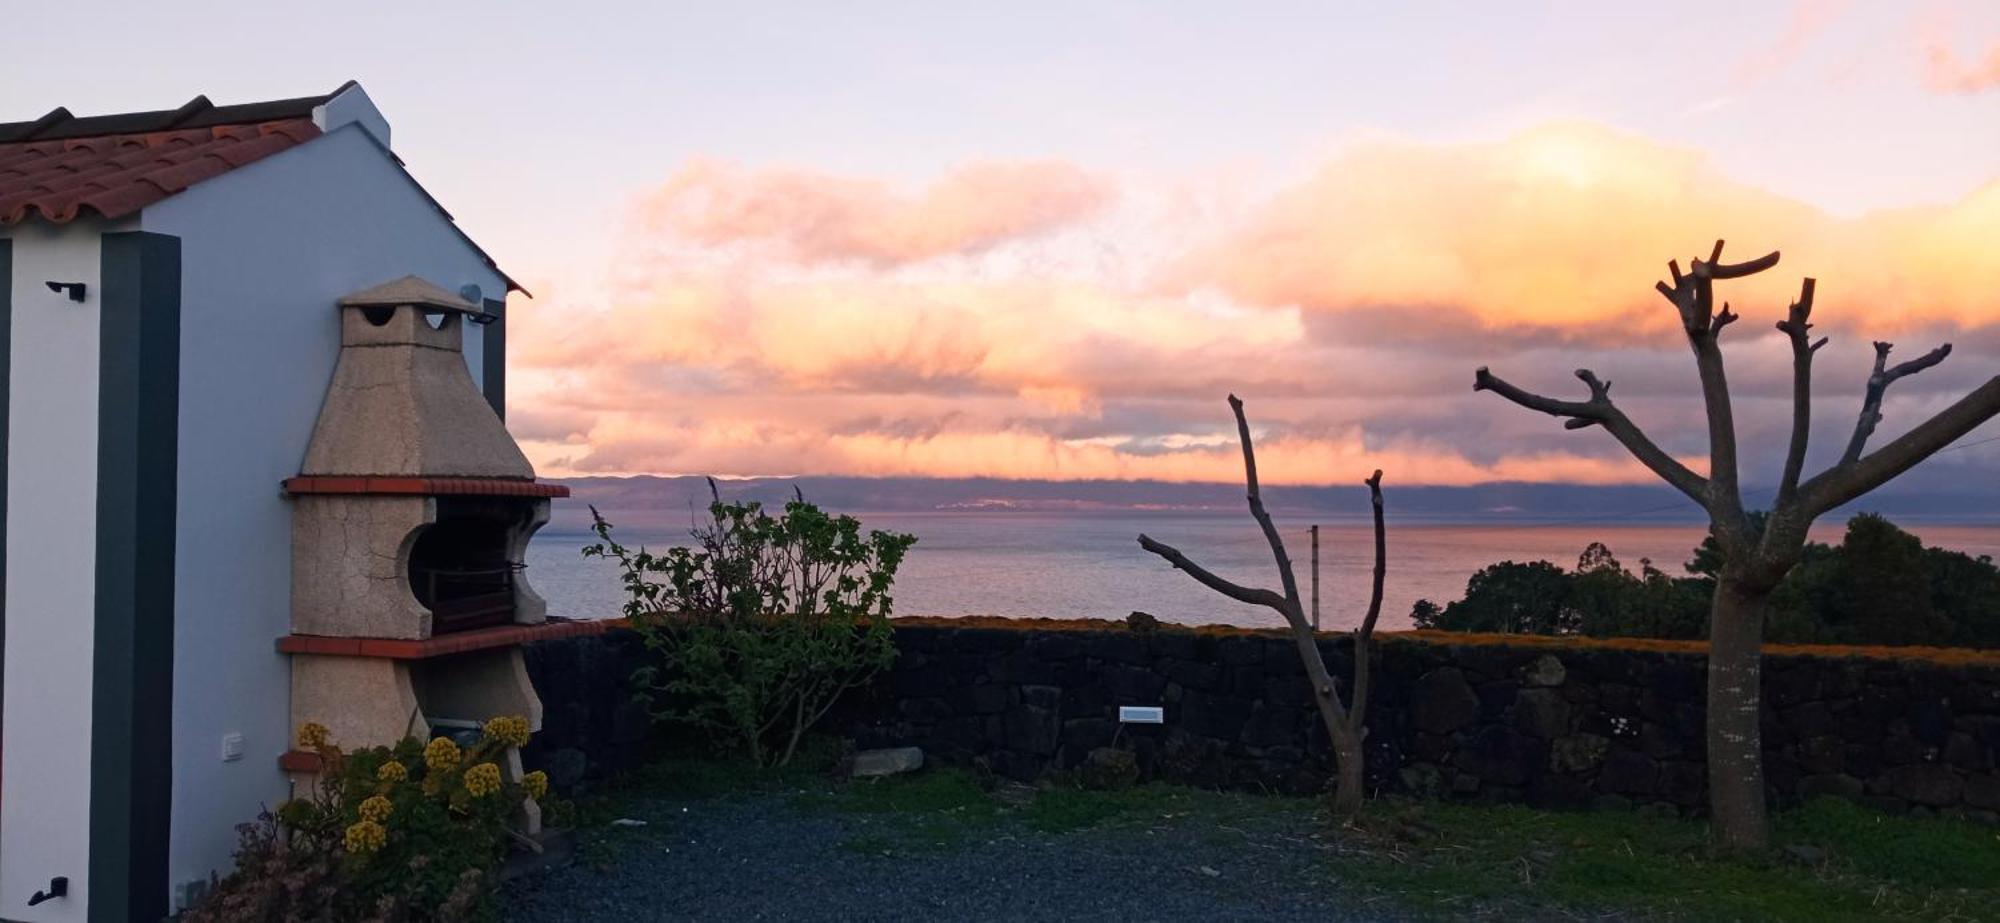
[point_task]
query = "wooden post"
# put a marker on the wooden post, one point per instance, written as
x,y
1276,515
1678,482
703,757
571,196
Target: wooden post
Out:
x,y
1315,570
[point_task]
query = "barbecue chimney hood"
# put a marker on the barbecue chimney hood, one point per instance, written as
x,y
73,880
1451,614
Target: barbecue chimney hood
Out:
x,y
402,401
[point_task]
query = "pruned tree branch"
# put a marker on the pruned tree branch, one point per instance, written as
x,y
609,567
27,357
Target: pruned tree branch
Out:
x,y
1844,482
1374,483
1256,596
1693,295
1600,411
1797,326
1345,727
1364,636
1256,497
1878,384
1716,269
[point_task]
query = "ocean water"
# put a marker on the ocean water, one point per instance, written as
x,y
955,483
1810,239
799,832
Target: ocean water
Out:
x,y
1090,565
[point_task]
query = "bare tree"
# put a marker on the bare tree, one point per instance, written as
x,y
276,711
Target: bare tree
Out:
x,y
1755,559
1345,725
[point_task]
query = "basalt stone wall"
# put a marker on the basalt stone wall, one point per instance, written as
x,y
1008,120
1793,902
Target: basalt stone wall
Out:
x,y
592,727
1548,724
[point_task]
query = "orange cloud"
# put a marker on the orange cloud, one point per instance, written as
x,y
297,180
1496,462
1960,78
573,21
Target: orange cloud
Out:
x,y
1018,336
1566,227
1946,72
798,323
816,218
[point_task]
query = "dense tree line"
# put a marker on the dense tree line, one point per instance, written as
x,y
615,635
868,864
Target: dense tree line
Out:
x,y
1880,585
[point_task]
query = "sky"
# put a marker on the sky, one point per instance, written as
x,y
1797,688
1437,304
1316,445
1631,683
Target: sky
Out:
x,y
1045,240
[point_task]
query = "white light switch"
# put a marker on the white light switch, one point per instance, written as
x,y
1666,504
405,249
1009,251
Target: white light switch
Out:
x,y
232,747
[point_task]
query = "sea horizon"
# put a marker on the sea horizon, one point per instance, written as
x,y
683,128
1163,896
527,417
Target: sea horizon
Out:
x,y
1087,563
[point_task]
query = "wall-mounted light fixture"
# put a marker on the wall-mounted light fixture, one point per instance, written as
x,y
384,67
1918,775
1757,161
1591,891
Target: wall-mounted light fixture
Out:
x,y
58,887
73,289
470,292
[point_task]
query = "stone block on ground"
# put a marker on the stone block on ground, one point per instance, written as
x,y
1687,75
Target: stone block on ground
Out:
x,y
1108,767
869,764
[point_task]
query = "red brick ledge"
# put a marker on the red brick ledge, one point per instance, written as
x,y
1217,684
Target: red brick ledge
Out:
x,y
438,487
455,643
300,761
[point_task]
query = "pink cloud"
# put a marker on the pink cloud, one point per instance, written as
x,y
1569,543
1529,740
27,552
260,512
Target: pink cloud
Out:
x,y
811,217
1808,19
1946,72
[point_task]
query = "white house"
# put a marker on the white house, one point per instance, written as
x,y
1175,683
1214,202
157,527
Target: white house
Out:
x,y
169,326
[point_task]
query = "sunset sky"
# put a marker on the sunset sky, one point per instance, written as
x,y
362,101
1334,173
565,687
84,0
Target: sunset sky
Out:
x,y
1046,240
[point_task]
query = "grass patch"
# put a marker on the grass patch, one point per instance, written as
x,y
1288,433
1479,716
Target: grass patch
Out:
x,y
936,808
1063,809
1843,862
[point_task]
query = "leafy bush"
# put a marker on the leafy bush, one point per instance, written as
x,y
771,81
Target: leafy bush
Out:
x,y
760,626
411,832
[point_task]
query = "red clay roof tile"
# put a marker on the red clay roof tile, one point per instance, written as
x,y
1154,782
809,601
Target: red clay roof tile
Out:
x,y
116,175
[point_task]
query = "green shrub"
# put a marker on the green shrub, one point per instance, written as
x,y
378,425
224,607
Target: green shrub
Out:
x,y
1879,586
759,627
411,832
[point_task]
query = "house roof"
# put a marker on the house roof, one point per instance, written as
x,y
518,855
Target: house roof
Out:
x,y
59,167
116,175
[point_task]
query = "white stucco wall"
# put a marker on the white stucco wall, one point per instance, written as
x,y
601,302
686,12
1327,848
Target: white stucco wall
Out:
x,y
51,571
266,250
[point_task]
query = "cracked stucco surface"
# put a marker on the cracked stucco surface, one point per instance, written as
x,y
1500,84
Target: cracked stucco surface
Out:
x,y
350,566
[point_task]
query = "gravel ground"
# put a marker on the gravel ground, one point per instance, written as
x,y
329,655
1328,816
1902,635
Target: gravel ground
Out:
x,y
773,856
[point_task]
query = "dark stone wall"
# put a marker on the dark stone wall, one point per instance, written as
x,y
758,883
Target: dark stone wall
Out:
x,y
1549,725
592,727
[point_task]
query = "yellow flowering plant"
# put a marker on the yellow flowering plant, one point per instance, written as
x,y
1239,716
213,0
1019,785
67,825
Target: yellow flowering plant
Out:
x,y
410,825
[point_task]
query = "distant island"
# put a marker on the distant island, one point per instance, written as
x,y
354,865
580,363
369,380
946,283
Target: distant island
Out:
x,y
1496,502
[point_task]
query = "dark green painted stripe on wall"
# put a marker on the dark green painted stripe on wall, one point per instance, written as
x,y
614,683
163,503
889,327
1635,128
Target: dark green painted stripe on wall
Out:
x,y
6,378
132,686
493,356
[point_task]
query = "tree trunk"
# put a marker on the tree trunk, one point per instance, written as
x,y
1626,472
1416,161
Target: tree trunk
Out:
x,y
1735,739
1347,789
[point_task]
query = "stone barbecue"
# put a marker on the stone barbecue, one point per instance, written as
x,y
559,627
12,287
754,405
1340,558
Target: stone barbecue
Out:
x,y
410,519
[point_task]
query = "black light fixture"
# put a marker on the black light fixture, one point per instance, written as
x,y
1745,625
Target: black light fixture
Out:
x,y
471,293
73,289
59,885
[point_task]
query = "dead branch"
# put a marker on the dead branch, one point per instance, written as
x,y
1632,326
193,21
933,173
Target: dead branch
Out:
x,y
1878,384
1600,411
